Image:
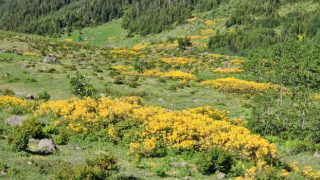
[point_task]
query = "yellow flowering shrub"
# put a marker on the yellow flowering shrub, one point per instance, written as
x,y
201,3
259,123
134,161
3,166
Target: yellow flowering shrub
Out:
x,y
233,85
178,60
124,52
13,102
152,73
179,75
227,70
207,31
138,47
192,19
237,62
30,54
197,128
209,22
68,40
193,37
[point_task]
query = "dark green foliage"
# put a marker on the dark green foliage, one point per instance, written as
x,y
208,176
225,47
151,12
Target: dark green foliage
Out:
x,y
183,43
215,159
47,17
81,87
18,139
294,65
45,96
62,138
7,92
141,65
98,168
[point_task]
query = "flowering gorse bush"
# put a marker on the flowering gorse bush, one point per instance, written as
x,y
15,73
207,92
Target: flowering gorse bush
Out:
x,y
233,85
178,60
227,70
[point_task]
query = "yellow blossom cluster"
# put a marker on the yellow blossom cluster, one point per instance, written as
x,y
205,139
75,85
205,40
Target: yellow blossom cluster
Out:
x,y
262,169
9,101
152,73
139,47
124,52
112,38
178,60
227,70
122,68
198,128
237,62
209,22
207,31
192,19
233,85
179,75
306,171
68,40
30,54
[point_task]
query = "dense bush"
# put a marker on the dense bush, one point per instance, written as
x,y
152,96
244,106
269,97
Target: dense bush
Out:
x,y
215,159
44,96
101,167
81,87
18,139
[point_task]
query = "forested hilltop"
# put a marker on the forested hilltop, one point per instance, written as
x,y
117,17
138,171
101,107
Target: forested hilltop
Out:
x,y
249,24
45,17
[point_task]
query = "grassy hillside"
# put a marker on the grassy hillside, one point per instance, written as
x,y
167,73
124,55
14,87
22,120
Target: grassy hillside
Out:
x,y
240,91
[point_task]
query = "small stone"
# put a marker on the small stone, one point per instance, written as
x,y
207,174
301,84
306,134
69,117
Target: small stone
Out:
x,y
30,97
162,100
316,155
47,146
196,100
16,120
187,177
30,162
75,147
3,172
149,174
221,175
51,60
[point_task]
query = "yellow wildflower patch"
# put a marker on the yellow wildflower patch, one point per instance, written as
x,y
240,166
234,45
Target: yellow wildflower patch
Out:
x,y
197,128
227,70
30,54
207,31
178,60
209,22
192,19
179,75
233,85
68,40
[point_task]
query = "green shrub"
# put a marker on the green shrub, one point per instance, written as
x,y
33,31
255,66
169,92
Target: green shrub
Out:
x,y
18,139
297,146
44,96
160,171
7,92
184,42
18,142
99,168
215,159
62,138
80,86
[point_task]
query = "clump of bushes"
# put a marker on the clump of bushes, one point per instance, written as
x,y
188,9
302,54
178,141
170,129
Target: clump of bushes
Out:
x,y
18,139
45,96
99,168
81,87
215,159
